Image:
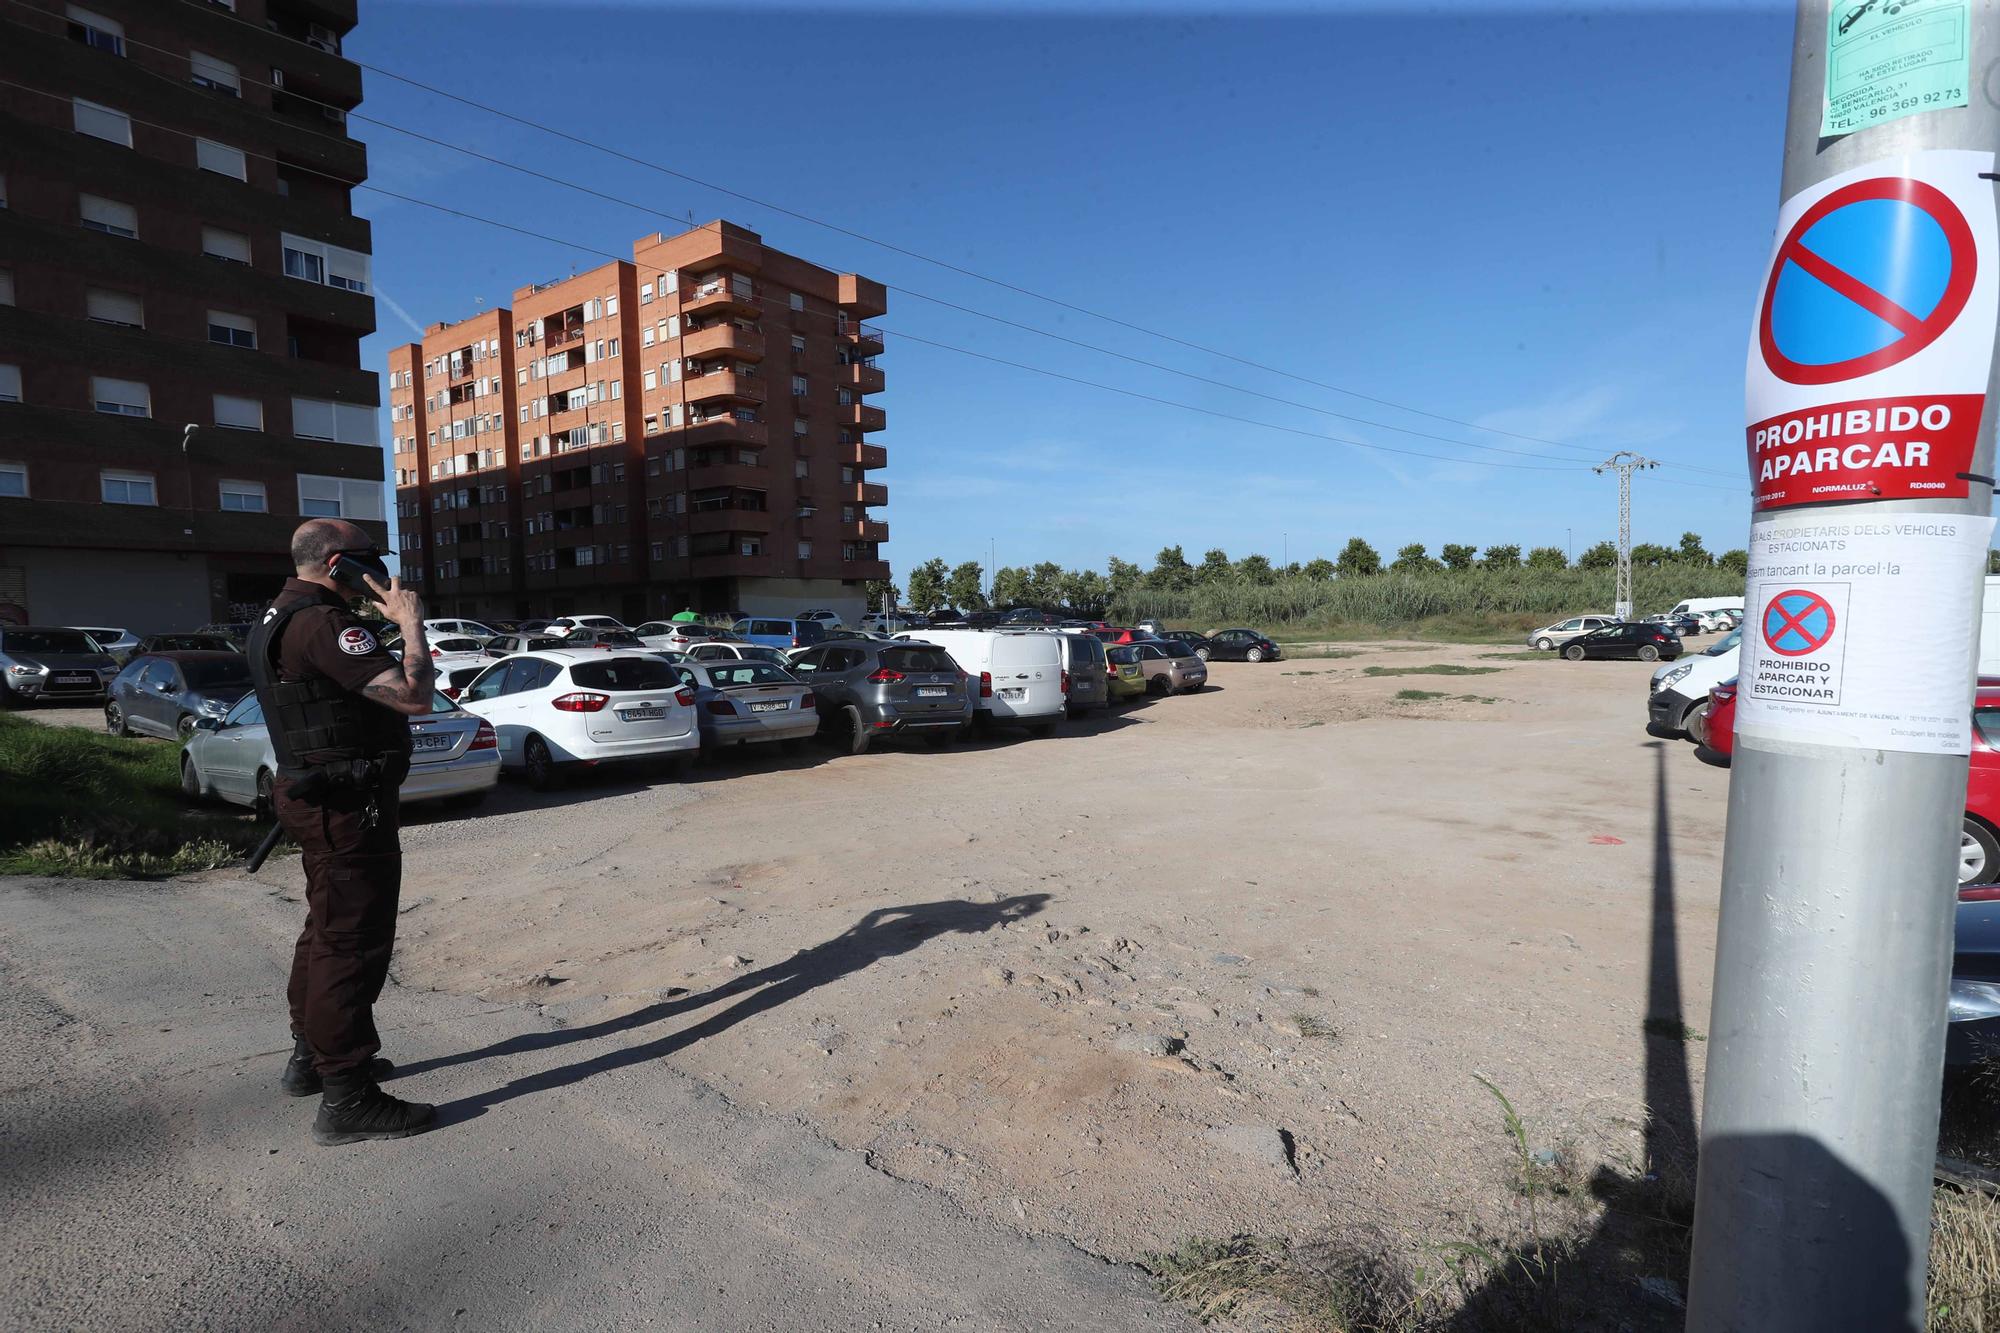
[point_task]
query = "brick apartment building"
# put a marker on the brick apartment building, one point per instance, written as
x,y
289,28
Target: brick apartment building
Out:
x,y
687,430
177,249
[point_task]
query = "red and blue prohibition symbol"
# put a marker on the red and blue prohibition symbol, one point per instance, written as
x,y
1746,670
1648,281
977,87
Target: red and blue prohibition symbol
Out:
x,y
1798,622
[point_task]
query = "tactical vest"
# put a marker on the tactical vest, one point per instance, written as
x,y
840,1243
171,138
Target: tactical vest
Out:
x,y
318,730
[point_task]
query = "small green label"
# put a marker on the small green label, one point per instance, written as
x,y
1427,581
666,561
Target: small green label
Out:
x,y
1891,58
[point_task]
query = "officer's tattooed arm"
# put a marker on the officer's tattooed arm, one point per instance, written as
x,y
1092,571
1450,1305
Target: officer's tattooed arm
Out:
x,y
407,689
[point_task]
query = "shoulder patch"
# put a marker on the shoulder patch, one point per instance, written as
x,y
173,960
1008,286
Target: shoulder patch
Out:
x,y
357,641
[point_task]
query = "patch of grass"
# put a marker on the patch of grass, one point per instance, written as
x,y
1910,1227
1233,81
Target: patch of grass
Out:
x,y
1419,696
1964,1287
1673,1029
77,802
1517,657
1320,654
1434,669
1313,1026
1267,1284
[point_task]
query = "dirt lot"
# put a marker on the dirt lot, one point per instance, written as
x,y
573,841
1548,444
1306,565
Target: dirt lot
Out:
x,y
1217,964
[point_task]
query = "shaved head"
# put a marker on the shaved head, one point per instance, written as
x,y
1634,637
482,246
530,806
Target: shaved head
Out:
x,y
318,538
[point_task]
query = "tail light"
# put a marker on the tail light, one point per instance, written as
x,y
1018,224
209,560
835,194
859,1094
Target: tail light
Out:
x,y
583,701
722,708
1065,681
485,738
448,691
1722,694
986,684
887,676
436,653
807,701
796,643
684,696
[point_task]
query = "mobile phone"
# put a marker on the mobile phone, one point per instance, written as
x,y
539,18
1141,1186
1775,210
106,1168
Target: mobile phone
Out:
x,y
356,572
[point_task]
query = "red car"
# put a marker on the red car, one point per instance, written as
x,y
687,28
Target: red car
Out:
x,y
1113,634
1979,837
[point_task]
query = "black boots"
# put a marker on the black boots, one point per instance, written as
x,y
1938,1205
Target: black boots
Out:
x,y
300,1079
353,1109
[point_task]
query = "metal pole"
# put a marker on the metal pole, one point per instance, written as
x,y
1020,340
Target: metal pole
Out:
x,y
1833,952
1624,463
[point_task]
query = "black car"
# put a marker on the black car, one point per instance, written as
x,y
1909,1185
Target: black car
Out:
x,y
239,630
1973,1035
1681,625
1240,645
187,643
165,694
1648,643
1197,643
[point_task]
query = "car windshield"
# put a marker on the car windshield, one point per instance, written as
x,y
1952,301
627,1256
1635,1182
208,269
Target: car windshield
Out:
x,y
625,673
216,675
729,675
917,659
1123,656
1727,643
618,638
46,641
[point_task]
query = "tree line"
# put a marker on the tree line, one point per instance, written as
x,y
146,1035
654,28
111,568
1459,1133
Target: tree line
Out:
x,y
935,583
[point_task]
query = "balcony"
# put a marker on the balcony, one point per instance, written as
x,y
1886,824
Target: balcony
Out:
x,y
863,339
863,297
701,476
864,569
724,565
861,416
723,428
860,378
553,338
865,493
864,455
721,299
863,530
723,340
757,521
724,384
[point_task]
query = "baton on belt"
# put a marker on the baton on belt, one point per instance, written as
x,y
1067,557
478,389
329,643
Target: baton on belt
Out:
x,y
264,849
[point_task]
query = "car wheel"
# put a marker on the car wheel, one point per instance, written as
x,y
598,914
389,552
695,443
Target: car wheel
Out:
x,y
540,765
1545,644
1978,853
1695,717
184,727
1158,685
190,782
1254,655
1648,653
1574,652
1202,653
114,720
264,805
854,729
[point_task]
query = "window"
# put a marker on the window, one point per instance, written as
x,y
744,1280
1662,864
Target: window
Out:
x,y
244,497
801,468
221,159
339,497
218,243
10,384
96,31
318,419
108,307
107,215
101,122
209,72
805,549
316,261
235,413
798,302
13,481
231,330
800,426
122,398
799,386
126,488
645,293
798,345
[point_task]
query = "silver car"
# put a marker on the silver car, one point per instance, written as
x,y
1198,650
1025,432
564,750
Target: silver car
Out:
x,y
454,754
735,652
51,664
748,702
1550,637
120,643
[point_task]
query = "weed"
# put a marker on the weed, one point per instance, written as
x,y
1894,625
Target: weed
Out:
x,y
1419,696
1321,654
1434,669
1964,1288
1673,1029
1517,657
1312,1025
85,858
1477,699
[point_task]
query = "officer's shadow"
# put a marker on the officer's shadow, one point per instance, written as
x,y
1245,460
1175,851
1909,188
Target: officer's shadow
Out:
x,y
882,933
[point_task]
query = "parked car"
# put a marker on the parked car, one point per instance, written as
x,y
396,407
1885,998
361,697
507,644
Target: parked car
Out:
x,y
188,643
603,638
1241,645
1648,643
1124,680
1694,606
676,635
1028,617
1019,674
454,645
238,631
865,689
555,709
120,643
506,645
1549,637
453,677
1197,642
1084,672
828,620
887,624
774,632
1117,634
1152,627
53,664
468,629
1972,1030
1680,691
750,702
1682,625
1168,668
737,652
564,624
165,694
453,754
1713,727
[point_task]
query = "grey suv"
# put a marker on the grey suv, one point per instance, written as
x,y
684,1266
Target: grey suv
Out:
x,y
38,663
867,689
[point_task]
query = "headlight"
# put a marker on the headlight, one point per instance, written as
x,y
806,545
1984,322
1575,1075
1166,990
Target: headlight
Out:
x,y
215,706
1972,1000
24,671
1674,676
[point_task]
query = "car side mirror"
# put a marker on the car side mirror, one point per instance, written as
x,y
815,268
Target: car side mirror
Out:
x,y
208,724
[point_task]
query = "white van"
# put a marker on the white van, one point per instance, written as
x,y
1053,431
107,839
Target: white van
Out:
x,y
1680,688
1695,606
1019,673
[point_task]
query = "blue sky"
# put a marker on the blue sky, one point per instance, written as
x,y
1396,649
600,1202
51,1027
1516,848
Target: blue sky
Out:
x,y
1548,221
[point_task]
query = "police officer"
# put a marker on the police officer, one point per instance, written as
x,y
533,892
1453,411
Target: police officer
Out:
x,y
337,706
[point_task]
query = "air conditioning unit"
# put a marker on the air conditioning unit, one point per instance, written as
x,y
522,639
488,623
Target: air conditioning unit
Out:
x,y
334,114
322,39
277,78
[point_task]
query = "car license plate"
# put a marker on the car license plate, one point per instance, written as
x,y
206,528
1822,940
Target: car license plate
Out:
x,y
73,680
643,713
441,741
777,706
1016,693
931,691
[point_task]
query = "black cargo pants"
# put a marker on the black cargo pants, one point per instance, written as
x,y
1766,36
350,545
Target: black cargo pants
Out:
x,y
354,876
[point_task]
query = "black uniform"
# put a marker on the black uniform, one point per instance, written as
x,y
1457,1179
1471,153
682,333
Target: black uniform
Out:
x,y
341,759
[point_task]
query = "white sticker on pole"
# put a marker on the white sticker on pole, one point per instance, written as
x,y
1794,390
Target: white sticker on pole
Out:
x,y
1874,336
1859,632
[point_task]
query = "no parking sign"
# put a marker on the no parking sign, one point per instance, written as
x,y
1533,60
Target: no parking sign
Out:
x,y
1875,324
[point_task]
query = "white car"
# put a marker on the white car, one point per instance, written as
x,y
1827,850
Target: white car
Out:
x,y
556,708
1680,689
830,619
882,624
677,635
736,652
463,629
564,624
